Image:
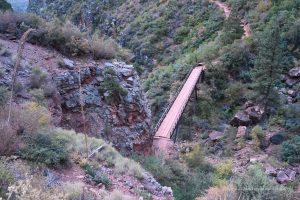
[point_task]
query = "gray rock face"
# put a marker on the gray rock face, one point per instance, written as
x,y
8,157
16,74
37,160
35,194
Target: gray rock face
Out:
x,y
67,63
295,72
126,124
154,187
240,119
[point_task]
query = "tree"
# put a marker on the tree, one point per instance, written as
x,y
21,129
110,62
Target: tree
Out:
x,y
4,5
268,66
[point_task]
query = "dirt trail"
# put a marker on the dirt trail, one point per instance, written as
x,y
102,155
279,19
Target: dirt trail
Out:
x,y
223,6
227,10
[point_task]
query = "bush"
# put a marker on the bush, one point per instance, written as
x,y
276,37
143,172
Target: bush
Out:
x,y
38,77
111,89
255,184
4,5
4,95
102,49
291,150
50,149
49,90
223,172
186,184
64,37
38,96
9,139
107,154
6,179
117,195
225,192
96,176
73,190
258,136
25,119
67,38
195,158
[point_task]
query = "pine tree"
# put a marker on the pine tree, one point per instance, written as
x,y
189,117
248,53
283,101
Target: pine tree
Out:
x,y
268,66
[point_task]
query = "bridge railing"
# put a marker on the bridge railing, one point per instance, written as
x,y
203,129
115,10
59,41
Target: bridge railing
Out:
x,y
172,101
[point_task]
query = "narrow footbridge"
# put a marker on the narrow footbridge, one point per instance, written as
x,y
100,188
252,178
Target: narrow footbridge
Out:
x,y
167,124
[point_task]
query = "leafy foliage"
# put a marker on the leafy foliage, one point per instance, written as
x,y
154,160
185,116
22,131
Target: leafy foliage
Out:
x,y
255,184
291,150
4,5
111,89
50,149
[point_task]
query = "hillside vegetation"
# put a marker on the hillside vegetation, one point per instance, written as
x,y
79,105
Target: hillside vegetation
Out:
x,y
239,135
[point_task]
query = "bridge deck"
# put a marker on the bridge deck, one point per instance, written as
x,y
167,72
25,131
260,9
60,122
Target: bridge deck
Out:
x,y
169,123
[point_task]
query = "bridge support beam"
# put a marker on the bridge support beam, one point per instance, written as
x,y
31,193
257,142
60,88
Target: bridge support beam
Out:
x,y
175,133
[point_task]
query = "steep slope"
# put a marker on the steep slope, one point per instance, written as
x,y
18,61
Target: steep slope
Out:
x,y
123,120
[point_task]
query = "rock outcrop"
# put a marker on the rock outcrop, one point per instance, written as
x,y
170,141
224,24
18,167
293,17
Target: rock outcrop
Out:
x,y
126,123
251,114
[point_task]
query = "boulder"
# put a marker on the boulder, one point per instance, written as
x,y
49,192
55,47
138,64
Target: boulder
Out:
x,y
290,82
67,63
271,171
277,139
264,143
291,174
255,113
292,93
282,177
241,132
216,135
240,119
295,72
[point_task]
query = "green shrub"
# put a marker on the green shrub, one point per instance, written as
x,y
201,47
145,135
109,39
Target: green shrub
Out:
x,y
38,77
223,172
258,135
111,89
255,184
180,34
38,96
101,178
195,158
4,95
96,176
74,191
291,150
50,149
4,5
6,179
186,184
66,38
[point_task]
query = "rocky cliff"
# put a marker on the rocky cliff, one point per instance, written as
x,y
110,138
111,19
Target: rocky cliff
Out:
x,y
125,122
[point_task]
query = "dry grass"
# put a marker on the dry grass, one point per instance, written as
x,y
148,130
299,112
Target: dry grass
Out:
x,y
225,192
102,49
117,195
107,153
25,119
73,190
